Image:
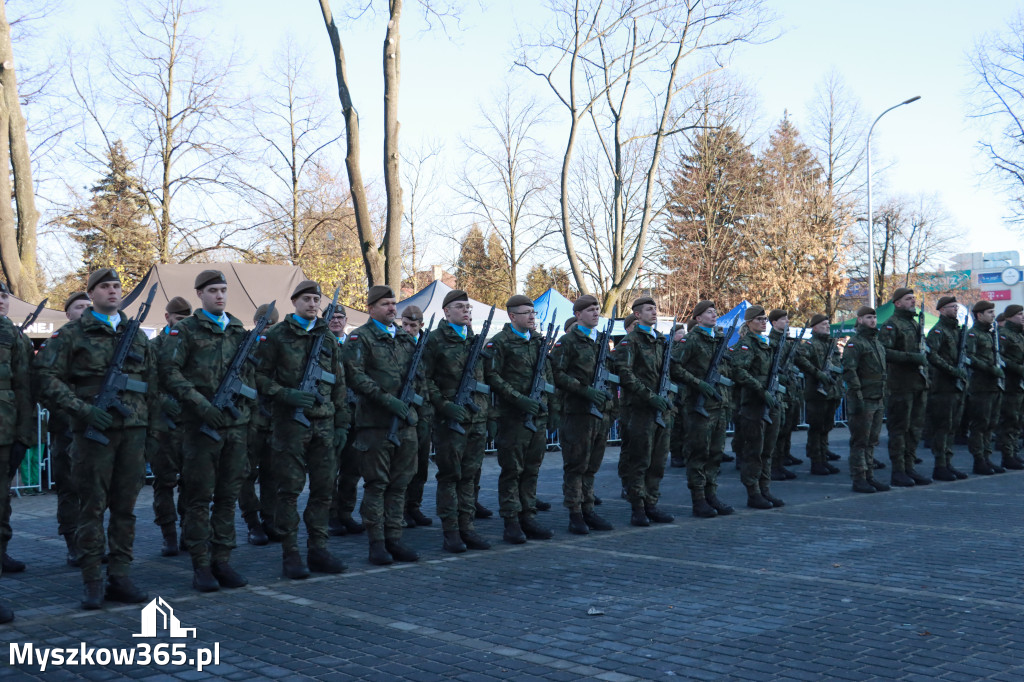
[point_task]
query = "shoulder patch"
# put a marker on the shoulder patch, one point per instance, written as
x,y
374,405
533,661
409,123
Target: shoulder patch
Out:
x,y
888,326
623,342
557,344
490,344
173,332
353,336
970,333
745,347
55,334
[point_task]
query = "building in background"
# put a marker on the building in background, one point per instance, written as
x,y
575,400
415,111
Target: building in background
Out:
x,y
996,276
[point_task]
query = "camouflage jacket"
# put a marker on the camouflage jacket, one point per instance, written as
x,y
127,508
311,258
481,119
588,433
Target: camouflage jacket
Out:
x,y
509,370
74,361
196,356
943,348
638,359
17,408
444,360
864,365
810,358
695,352
899,336
789,374
573,361
981,351
1011,340
376,365
281,357
750,360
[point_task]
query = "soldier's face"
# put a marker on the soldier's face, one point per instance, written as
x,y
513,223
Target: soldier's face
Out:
x,y
908,302
523,318
781,324
589,316
214,298
821,327
76,309
174,318
948,310
5,304
412,327
708,318
459,312
631,327
647,314
106,297
1018,318
869,321
986,316
337,323
758,324
384,311
307,306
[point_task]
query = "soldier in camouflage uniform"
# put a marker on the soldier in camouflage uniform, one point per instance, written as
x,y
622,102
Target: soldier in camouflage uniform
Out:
x,y
678,443
706,431
628,324
513,356
750,362
947,382
346,492
412,323
1011,338
459,456
985,388
822,393
18,431
258,510
790,401
108,476
583,434
908,387
197,354
377,358
864,365
165,460
304,449
638,359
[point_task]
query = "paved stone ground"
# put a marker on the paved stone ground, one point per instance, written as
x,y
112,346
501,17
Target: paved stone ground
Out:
x,y
917,584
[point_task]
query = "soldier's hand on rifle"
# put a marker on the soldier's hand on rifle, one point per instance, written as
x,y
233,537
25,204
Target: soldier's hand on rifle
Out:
x,y
960,373
919,359
171,407
659,403
293,397
823,377
340,439
211,415
528,405
998,372
456,412
770,400
596,396
396,407
708,390
97,418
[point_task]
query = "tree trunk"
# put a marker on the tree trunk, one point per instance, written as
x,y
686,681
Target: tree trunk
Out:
x,y
392,181
373,260
21,235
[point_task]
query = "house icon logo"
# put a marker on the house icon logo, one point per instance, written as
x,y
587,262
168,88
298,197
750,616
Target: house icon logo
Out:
x,y
159,614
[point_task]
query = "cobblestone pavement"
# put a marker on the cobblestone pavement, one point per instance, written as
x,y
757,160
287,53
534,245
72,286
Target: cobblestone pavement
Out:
x,y
911,584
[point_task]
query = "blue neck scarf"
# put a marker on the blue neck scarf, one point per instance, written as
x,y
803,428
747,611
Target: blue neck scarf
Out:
x,y
522,335
110,320
390,330
304,323
645,328
220,320
460,329
710,331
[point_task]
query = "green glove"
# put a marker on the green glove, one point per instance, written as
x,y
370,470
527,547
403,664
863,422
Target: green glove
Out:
x,y
171,407
823,377
960,372
708,390
97,418
770,400
595,396
340,439
396,406
492,429
919,359
659,403
527,405
998,372
293,397
211,415
456,412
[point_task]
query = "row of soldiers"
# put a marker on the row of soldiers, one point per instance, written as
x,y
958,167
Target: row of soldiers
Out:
x,y
387,391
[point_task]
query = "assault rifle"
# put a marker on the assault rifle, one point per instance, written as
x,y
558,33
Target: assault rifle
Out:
x,y
713,376
962,361
468,385
602,377
537,384
32,318
826,364
998,353
665,385
115,380
775,387
408,394
922,347
314,374
231,384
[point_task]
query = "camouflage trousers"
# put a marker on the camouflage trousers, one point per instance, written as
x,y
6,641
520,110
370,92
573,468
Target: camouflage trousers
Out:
x,y
520,455
583,439
757,442
983,412
704,449
108,477
212,473
387,470
865,422
623,440
1008,438
644,454
300,451
261,470
346,490
165,461
414,493
821,419
678,444
790,418
944,411
459,457
904,424
67,496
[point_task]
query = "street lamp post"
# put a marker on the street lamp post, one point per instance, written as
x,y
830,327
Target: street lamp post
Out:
x,y
871,222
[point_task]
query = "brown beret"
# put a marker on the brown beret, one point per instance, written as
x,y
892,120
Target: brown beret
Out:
x,y
865,310
1012,310
815,319
306,287
518,300
1000,318
100,276
982,306
208,277
944,301
412,313
4,289
643,300
378,292
454,296
752,312
569,323
178,306
777,314
901,292
584,302
262,310
630,319
77,296
701,307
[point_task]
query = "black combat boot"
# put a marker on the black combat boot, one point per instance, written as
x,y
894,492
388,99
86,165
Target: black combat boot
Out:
x,y
878,465
352,526
861,485
639,516
543,506
257,536
656,515
766,493
726,457
320,560
791,461
878,485
120,588
11,565
419,517
983,467
203,580
941,473
474,540
408,521
292,566
271,532
1011,462
917,478
513,531
721,507
6,614
598,501
595,522
995,467
92,598
379,555
819,469
833,457
400,552
483,512
755,500
336,528
703,510
74,558
534,530
832,469
453,542
227,576
901,480
577,526
960,476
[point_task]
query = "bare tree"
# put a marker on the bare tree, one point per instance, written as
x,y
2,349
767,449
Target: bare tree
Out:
x,y
422,177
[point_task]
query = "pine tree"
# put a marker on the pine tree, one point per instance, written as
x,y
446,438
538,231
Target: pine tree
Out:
x,y
541,278
482,268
